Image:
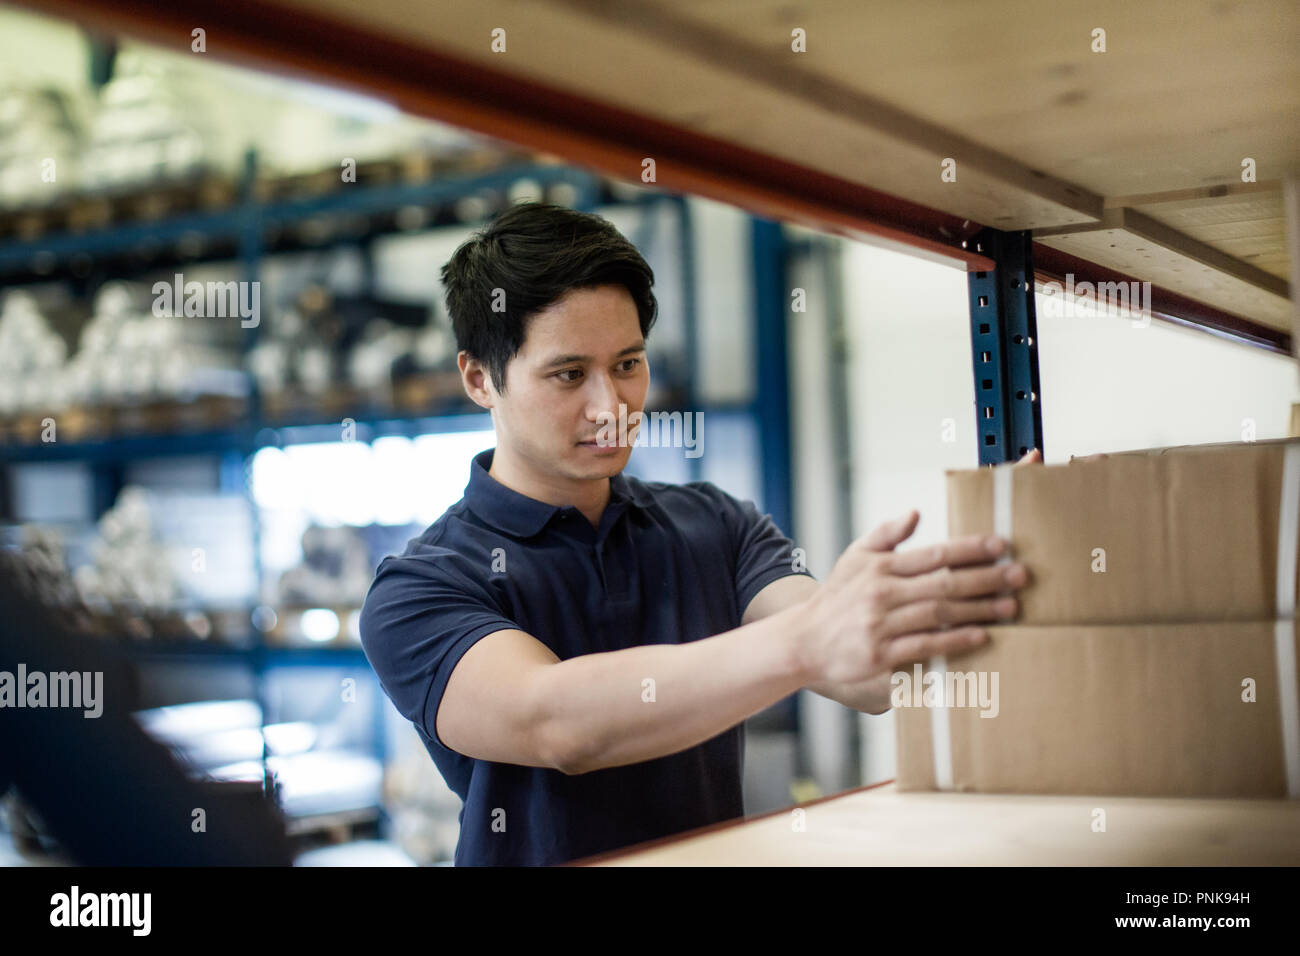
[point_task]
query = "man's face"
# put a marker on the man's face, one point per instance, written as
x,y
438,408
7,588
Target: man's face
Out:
x,y
581,358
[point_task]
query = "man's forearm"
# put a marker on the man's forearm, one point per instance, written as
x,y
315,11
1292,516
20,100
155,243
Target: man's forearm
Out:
x,y
628,706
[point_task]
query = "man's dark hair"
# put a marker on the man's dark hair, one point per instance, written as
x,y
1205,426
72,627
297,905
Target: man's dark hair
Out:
x,y
535,253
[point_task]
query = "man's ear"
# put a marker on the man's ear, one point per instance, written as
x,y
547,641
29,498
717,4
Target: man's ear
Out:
x,y
475,379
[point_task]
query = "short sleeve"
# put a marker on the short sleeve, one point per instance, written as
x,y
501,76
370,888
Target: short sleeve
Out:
x,y
424,610
763,553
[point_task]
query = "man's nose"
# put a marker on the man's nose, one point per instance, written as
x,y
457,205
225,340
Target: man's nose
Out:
x,y
602,396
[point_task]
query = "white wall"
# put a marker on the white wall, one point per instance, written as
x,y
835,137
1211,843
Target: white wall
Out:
x,y
911,390
1110,384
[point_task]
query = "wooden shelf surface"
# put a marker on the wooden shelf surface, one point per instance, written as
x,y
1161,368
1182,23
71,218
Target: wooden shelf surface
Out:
x,y
879,826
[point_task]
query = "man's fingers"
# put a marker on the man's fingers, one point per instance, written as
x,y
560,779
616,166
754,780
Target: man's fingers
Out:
x,y
949,584
921,647
891,534
924,616
1032,457
957,552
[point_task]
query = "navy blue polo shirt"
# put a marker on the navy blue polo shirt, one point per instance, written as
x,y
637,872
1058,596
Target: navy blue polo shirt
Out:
x,y
668,564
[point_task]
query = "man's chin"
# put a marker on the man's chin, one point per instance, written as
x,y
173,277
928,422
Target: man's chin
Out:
x,y
602,464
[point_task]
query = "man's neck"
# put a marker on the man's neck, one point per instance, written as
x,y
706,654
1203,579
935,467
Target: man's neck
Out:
x,y
590,497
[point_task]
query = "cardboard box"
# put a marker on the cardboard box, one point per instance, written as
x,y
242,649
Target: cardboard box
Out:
x,y
1146,710
1159,535
1155,651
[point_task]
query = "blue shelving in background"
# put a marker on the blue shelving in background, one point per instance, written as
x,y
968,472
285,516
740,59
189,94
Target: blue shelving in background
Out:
x,y
244,228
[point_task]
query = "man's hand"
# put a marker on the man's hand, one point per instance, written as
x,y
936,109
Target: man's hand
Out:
x,y
872,694
880,609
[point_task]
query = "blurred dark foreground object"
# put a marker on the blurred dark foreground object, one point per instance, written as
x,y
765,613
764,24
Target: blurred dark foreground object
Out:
x,y
108,793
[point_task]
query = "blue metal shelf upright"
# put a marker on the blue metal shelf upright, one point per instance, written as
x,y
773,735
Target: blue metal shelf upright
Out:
x,y
1004,346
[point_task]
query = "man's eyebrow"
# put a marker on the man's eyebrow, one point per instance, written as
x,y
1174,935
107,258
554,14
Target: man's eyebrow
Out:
x,y
584,359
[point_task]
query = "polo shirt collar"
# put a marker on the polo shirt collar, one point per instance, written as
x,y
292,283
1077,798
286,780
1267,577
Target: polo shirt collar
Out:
x,y
519,515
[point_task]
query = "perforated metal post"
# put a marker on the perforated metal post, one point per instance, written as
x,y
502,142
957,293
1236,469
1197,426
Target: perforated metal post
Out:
x,y
1004,342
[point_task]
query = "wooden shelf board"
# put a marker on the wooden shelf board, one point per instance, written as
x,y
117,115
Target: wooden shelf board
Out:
x,y
1042,128
880,826
1131,242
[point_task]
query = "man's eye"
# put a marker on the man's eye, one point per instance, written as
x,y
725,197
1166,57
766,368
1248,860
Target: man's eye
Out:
x,y
568,371
631,364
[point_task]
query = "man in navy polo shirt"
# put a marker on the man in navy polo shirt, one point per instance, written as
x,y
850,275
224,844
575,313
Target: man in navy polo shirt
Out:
x,y
577,648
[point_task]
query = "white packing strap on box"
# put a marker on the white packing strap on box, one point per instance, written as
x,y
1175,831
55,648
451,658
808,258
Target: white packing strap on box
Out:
x,y
1288,536
940,730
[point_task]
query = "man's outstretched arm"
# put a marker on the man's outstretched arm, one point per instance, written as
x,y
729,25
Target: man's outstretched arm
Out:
x,y
510,700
